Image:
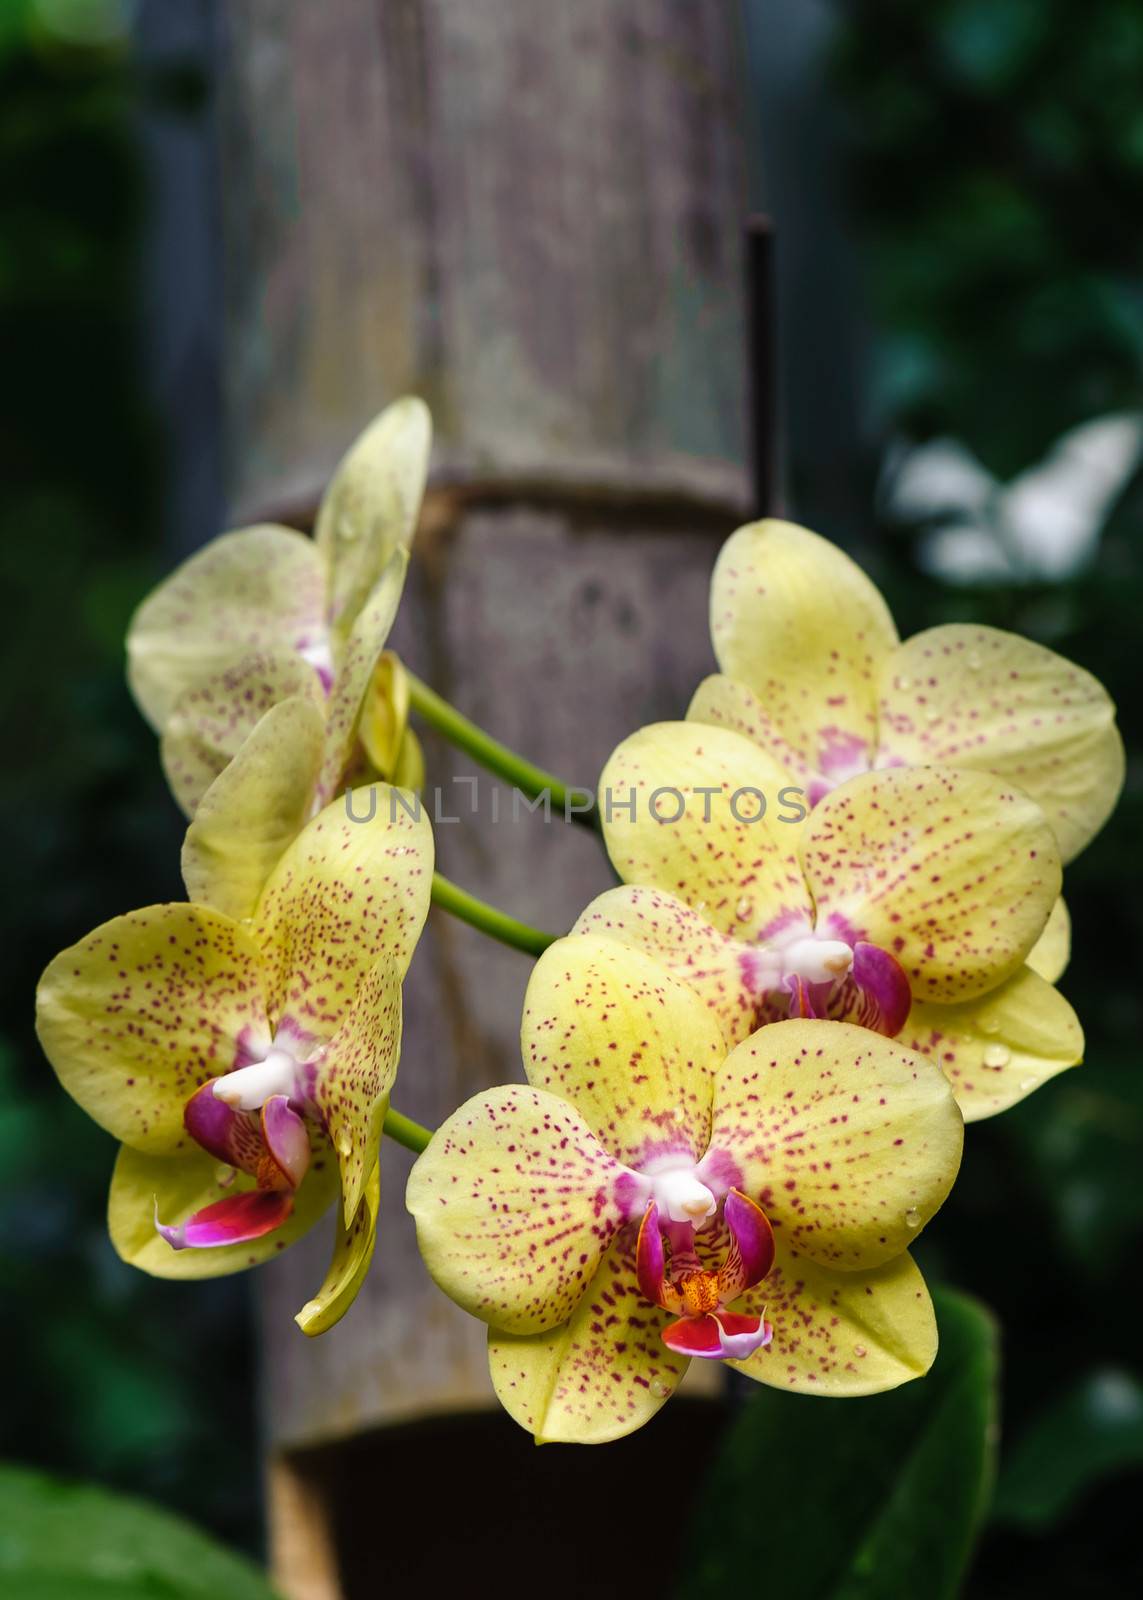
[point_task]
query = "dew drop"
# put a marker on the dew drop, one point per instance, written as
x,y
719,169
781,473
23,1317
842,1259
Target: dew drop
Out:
x,y
912,1218
989,1025
678,1114
932,716
224,1175
660,1389
902,683
344,1142
860,1350
972,661
744,910
997,1055
1028,1084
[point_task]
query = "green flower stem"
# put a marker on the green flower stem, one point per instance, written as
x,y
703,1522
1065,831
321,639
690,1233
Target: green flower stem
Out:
x,y
531,781
407,1132
497,924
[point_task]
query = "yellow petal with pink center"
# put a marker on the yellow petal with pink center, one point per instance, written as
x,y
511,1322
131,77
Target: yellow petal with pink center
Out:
x,y
352,1255
515,1201
847,1141
682,941
258,591
601,1374
705,815
254,810
953,872
970,696
997,1049
345,893
799,623
610,1030
144,1010
177,1186
841,1333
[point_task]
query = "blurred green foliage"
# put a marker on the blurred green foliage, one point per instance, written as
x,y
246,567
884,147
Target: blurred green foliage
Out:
x,y
64,1541
110,1375
997,153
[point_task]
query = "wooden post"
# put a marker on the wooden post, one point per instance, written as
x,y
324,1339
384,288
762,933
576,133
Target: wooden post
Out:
x,y
531,217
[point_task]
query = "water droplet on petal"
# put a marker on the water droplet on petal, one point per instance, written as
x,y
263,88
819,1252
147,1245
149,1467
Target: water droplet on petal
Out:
x,y
344,1142
902,683
997,1055
932,716
744,910
912,1218
989,1025
1028,1084
860,1350
972,661
678,1114
660,1388
224,1175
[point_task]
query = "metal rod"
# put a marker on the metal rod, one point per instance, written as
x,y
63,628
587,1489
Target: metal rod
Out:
x,y
762,367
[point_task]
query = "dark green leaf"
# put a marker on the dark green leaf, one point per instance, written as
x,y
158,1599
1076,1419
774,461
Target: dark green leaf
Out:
x,y
869,1499
1092,1432
69,1541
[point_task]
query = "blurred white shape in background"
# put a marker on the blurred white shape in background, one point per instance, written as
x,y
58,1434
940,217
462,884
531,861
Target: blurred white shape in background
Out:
x,y
1041,527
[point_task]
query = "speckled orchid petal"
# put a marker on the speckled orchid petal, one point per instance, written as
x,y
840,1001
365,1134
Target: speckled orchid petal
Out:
x,y
210,723
841,1333
970,696
254,810
356,1072
726,703
180,1186
344,894
371,506
601,1374
953,872
352,1255
796,621
354,673
606,1027
145,1009
515,1201
1051,952
997,1049
259,591
729,855
848,1142
714,965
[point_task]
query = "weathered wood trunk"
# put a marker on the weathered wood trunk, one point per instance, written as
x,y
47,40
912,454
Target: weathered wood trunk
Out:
x,y
532,217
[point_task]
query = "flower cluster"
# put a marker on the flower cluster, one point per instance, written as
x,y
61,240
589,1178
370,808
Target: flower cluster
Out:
x,y
748,1067
242,1045
872,975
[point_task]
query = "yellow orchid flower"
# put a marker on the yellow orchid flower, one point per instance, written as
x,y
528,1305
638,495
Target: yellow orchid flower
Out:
x,y
246,1066
650,1197
908,900
813,671
266,615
